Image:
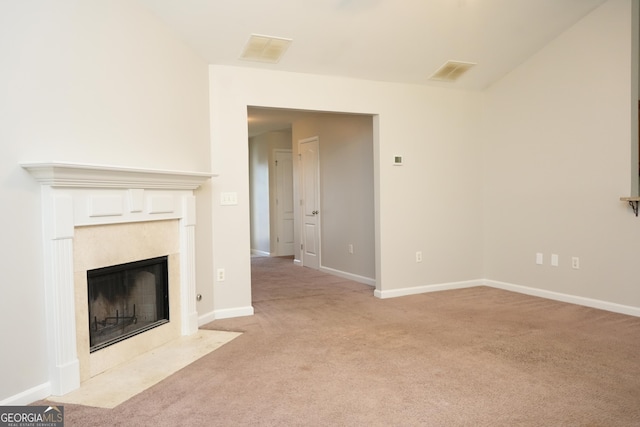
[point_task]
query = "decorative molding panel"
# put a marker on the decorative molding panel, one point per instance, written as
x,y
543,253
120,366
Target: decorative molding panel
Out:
x,y
107,205
136,199
161,204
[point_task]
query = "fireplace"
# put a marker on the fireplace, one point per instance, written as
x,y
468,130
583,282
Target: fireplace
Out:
x,y
107,249
97,216
126,299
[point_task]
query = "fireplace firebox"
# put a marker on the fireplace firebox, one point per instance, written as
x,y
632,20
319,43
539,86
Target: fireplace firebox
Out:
x,y
127,299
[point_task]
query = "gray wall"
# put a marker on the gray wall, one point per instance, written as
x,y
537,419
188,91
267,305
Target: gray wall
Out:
x,y
346,190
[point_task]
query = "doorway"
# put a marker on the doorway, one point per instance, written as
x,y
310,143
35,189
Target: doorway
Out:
x,y
340,237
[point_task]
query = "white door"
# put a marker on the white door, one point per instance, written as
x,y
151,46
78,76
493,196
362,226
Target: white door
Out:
x,y
310,203
284,202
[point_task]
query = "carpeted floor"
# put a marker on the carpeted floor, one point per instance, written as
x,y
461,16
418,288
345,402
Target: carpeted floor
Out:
x,y
322,351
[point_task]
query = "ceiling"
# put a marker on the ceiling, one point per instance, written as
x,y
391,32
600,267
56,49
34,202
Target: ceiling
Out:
x,y
396,41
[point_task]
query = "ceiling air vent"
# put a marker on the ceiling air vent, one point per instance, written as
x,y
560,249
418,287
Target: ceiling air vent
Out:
x,y
265,48
451,71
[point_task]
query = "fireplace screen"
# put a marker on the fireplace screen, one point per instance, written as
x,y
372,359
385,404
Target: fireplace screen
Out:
x,y
127,299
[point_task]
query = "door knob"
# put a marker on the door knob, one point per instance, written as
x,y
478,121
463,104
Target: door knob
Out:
x,y
315,212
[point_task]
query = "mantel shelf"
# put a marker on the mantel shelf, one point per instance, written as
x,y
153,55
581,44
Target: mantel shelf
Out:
x,y
633,202
61,174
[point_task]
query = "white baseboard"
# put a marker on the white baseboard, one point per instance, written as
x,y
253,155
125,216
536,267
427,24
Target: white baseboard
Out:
x,y
572,299
393,293
556,296
224,314
206,318
356,278
29,396
227,313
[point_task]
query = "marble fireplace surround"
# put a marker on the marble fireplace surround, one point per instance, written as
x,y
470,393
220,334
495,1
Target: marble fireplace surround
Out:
x,y
78,195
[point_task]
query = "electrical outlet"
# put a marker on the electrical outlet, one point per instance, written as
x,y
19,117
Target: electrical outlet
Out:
x,y
220,274
539,258
554,260
575,263
350,248
419,256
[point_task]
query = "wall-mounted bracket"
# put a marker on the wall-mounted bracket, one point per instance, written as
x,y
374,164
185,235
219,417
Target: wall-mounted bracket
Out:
x,y
633,202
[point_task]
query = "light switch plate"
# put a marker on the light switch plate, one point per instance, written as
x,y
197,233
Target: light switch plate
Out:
x,y
228,199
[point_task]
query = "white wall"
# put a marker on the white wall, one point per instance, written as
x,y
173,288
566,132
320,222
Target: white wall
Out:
x,y
432,203
346,191
557,160
89,82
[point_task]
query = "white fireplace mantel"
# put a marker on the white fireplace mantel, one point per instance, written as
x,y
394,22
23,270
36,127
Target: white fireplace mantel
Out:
x,y
75,195
60,174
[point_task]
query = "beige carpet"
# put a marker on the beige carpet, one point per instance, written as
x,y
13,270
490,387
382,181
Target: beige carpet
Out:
x,y
117,385
323,351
